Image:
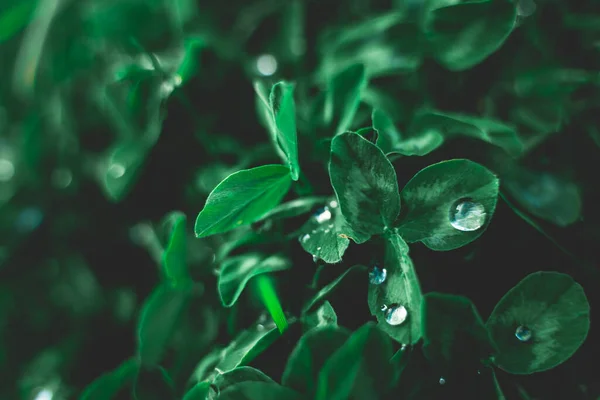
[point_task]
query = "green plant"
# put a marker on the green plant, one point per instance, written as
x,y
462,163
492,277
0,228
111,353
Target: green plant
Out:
x,y
350,251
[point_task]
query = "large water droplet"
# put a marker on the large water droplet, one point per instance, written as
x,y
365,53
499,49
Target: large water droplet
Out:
x,y
395,314
323,215
377,275
523,333
442,381
467,216
266,65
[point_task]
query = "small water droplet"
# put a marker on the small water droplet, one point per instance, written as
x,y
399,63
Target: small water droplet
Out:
x,y
384,307
395,314
318,248
7,170
326,231
333,204
116,170
305,238
323,215
315,258
523,333
442,381
403,348
478,372
260,327
467,216
377,275
266,64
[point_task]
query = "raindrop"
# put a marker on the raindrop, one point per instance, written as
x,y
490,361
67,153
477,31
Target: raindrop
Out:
x,y
266,64
333,204
403,348
44,394
467,216
523,333
305,238
326,231
7,170
377,275
395,314
318,249
116,170
442,381
62,178
323,215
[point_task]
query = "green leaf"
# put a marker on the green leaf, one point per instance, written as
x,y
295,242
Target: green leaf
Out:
x,y
343,97
158,318
153,383
258,391
463,35
554,308
459,192
243,198
453,331
322,316
284,111
497,387
448,125
325,234
360,368
174,260
308,357
365,184
266,291
123,167
240,374
108,386
325,290
16,18
401,287
237,271
389,137
294,208
199,392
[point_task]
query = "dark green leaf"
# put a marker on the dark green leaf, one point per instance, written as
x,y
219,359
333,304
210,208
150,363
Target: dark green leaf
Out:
x,y
199,392
153,383
453,331
175,256
284,111
370,134
107,386
360,368
325,290
389,137
343,97
555,311
16,18
322,316
243,198
123,167
159,315
294,208
308,357
448,204
240,374
463,35
497,387
259,391
237,271
400,288
365,184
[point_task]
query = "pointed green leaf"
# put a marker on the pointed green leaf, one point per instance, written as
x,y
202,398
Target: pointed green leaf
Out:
x,y
199,392
343,97
400,288
240,374
123,166
284,111
243,198
174,261
267,293
451,193
258,391
108,386
453,331
360,368
325,290
365,184
555,311
237,271
325,235
322,316
153,383
159,315
463,35
313,349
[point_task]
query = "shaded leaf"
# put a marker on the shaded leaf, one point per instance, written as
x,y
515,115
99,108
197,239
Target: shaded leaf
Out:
x,y
243,198
365,184
433,201
237,271
240,374
555,310
284,111
199,392
325,290
401,287
16,18
174,260
153,383
258,391
322,316
343,97
309,356
123,166
107,386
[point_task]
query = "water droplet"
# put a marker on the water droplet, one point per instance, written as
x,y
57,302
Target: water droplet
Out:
x,y
116,170
403,348
318,248
442,381
467,216
260,327
478,372
29,219
323,215
315,258
333,204
305,238
523,333
327,231
7,170
395,314
377,275
266,64
62,178
44,394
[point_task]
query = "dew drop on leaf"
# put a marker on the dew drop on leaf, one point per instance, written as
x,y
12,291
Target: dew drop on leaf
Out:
x,y
266,64
467,216
395,314
333,204
523,333
323,215
377,275
116,170
305,238
442,381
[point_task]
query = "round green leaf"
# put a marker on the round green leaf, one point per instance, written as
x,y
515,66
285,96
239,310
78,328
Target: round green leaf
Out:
x,y
258,391
463,35
555,310
107,386
431,195
237,271
365,184
401,287
243,198
309,355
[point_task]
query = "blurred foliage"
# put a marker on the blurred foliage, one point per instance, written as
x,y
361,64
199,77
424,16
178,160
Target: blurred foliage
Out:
x,y
115,113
